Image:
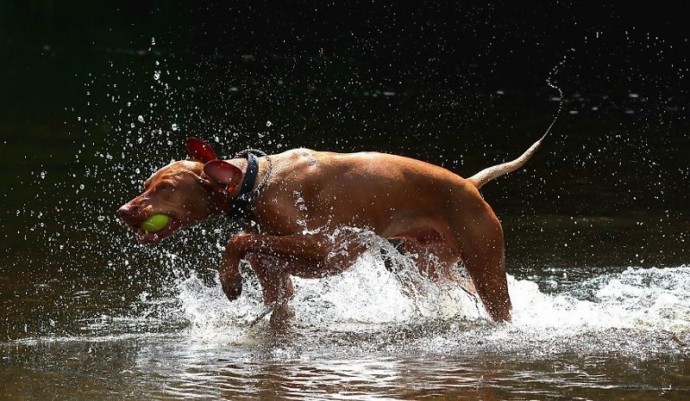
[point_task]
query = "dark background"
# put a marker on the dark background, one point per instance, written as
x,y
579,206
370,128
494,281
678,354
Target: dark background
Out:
x,y
95,95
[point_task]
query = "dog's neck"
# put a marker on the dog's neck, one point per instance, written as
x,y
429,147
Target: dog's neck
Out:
x,y
237,203
242,205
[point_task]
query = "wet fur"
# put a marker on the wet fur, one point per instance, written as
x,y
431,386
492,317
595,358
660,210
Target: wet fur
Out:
x,y
309,197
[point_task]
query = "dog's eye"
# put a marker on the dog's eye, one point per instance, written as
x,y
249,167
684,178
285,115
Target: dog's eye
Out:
x,y
165,186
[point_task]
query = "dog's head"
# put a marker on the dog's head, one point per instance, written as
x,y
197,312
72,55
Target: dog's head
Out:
x,y
186,191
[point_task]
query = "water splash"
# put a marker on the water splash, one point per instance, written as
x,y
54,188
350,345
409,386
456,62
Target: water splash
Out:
x,y
642,299
365,298
631,307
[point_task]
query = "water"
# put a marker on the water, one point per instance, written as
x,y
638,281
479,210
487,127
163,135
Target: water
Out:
x,y
596,224
370,334
600,297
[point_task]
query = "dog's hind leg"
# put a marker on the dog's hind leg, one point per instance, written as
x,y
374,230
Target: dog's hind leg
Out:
x,y
438,261
481,247
435,260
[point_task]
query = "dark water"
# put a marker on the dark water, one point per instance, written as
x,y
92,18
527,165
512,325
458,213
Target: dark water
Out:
x,y
597,228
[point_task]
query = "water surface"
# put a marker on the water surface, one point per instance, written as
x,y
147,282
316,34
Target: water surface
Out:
x,y
596,225
578,332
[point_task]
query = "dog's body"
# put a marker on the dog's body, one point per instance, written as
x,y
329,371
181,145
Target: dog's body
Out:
x,y
304,201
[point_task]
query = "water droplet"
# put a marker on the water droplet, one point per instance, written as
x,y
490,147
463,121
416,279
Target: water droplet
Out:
x,y
175,127
140,118
268,123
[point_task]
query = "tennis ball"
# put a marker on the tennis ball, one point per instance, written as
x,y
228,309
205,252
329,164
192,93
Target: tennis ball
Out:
x,y
155,222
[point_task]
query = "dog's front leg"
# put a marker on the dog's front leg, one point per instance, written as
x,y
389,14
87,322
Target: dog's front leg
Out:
x,y
303,255
230,277
297,253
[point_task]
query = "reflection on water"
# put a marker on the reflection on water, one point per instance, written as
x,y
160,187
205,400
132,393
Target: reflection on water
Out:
x,y
364,334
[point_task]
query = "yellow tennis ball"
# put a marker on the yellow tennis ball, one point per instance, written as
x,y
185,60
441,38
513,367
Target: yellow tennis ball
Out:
x,y
155,222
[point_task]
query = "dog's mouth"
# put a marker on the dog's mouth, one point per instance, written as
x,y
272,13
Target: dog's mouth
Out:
x,y
149,237
149,229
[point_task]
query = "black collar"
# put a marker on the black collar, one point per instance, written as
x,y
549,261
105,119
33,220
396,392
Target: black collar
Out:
x,y
242,206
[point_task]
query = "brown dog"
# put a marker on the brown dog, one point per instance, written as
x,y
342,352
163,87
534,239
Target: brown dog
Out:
x,y
306,207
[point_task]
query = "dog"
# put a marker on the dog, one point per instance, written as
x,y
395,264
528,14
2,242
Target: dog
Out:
x,y
304,209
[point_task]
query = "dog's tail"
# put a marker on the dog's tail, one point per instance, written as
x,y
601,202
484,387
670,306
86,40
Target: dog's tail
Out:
x,y
498,170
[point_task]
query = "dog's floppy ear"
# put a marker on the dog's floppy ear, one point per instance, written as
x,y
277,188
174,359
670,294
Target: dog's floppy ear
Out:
x,y
223,173
200,150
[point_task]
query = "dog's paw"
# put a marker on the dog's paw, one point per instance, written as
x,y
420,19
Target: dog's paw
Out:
x,y
232,289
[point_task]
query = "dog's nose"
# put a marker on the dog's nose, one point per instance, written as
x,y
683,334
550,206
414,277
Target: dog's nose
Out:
x,y
127,214
123,211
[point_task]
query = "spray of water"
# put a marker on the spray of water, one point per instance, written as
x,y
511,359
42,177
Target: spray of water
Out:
x,y
550,80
